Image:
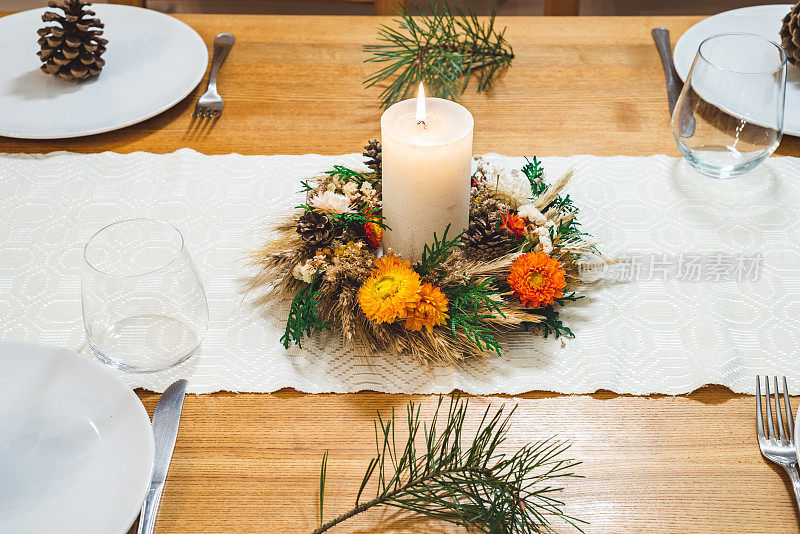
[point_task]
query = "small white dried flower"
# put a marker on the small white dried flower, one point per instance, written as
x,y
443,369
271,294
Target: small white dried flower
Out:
x,y
545,245
350,189
331,186
529,211
366,188
330,202
509,186
307,271
542,232
296,272
319,260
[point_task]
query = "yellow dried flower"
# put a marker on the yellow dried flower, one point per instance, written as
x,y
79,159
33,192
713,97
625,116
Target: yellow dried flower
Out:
x,y
390,291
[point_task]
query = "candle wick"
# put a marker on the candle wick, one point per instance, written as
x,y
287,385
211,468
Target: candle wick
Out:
x,y
424,125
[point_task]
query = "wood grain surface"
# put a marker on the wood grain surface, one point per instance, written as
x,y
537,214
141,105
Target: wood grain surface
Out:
x,y
250,463
293,85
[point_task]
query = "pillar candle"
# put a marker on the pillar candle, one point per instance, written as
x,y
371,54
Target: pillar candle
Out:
x,y
427,154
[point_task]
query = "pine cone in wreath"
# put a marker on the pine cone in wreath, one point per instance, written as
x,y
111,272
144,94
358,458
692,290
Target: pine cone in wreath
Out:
x,y
485,239
790,35
316,229
373,153
72,50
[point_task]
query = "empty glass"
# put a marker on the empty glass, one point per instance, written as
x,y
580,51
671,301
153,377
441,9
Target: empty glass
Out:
x,y
144,307
729,116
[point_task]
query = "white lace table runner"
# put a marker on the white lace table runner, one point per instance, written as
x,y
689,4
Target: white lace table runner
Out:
x,y
709,291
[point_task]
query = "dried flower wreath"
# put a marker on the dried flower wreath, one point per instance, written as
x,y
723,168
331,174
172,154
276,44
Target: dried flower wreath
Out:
x,y
516,265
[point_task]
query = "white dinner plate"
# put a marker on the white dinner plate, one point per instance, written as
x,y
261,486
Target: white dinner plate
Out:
x,y
76,445
760,20
153,62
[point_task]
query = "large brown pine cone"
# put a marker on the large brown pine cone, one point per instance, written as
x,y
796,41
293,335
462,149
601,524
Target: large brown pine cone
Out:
x,y
790,35
485,239
316,229
72,50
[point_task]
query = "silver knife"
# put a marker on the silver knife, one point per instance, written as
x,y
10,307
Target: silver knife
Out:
x,y
686,123
166,418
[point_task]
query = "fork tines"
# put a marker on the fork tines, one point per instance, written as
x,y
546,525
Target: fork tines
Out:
x,y
205,113
785,432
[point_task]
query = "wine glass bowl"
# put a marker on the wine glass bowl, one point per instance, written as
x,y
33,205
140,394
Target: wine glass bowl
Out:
x,y
729,116
144,306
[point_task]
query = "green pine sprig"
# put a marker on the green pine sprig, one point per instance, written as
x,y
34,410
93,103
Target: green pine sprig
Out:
x,y
534,171
469,305
348,175
435,254
306,187
304,316
357,220
551,322
441,50
441,473
567,230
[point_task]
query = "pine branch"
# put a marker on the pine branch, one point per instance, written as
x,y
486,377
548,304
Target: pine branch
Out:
x,y
464,481
552,324
433,255
563,205
469,306
358,219
534,171
476,331
348,175
438,50
303,315
567,230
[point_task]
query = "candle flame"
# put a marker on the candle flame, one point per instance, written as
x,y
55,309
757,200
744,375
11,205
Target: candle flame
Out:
x,y
421,115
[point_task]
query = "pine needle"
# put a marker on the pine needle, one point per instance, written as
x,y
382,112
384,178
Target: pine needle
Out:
x,y
322,474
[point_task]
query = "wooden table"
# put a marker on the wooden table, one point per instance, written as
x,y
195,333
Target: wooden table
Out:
x,y
250,463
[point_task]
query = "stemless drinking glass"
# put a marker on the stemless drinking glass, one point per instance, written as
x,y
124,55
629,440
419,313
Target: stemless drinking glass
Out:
x,y
144,307
729,116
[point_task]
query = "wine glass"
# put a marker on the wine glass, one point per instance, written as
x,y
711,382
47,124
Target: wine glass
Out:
x,y
729,116
144,306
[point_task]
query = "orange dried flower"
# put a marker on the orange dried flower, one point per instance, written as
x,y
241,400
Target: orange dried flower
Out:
x,y
536,279
374,233
513,223
390,291
430,311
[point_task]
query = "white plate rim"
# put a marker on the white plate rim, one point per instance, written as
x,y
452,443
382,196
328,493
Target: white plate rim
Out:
x,y
123,124
128,520
682,68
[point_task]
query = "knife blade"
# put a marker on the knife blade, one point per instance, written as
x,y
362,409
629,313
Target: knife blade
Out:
x,y
686,123
166,419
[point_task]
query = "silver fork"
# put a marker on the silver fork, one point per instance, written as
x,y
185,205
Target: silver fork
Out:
x,y
778,448
211,104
